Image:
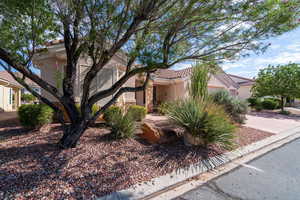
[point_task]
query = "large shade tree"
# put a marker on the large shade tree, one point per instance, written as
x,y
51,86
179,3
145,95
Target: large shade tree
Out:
x,y
282,81
153,33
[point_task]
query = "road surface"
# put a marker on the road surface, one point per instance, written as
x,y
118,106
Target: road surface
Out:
x,y
275,175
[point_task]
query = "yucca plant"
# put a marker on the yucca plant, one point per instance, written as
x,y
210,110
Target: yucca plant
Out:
x,y
121,125
205,122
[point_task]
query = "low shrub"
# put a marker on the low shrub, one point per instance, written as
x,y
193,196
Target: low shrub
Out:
x,y
253,101
236,108
111,111
164,107
95,108
121,125
138,113
258,107
207,121
269,104
284,112
35,115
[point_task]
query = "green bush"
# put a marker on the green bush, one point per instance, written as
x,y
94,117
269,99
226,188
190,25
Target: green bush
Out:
x,y
253,101
164,107
28,97
207,121
258,106
284,112
138,113
111,111
35,115
121,125
95,108
235,107
269,104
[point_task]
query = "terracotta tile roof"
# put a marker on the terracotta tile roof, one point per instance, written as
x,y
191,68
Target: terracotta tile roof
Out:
x,y
7,77
173,74
242,81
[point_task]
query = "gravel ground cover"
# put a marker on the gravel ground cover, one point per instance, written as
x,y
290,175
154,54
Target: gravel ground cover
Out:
x,y
32,167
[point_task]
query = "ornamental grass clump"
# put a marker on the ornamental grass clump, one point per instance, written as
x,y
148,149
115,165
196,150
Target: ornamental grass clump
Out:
x,y
236,108
121,125
138,113
205,123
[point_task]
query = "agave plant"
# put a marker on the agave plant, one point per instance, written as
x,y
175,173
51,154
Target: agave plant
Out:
x,y
204,121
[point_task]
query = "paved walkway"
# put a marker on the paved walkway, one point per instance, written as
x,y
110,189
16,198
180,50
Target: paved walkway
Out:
x,y
272,176
272,122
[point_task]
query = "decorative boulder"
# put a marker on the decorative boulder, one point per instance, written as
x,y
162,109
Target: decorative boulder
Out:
x,y
150,133
154,134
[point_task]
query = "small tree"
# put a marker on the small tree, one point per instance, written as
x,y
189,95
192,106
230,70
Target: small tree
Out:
x,y
282,81
154,33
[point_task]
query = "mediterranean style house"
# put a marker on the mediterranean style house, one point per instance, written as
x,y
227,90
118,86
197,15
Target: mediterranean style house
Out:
x,y
165,84
10,92
245,85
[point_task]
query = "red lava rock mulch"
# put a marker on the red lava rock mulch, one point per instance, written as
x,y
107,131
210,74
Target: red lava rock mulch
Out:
x,y
32,167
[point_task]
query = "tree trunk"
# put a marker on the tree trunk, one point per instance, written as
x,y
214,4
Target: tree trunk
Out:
x,y
72,135
282,104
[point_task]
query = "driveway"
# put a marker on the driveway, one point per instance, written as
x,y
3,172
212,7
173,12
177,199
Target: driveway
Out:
x,y
271,122
272,176
8,119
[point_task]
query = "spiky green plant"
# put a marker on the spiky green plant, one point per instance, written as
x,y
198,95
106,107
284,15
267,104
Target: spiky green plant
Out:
x,y
121,125
205,120
235,107
199,81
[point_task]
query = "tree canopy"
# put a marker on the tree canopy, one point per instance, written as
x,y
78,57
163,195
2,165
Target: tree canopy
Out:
x,y
152,33
281,81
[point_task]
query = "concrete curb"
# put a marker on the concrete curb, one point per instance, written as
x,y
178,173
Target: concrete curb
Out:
x,y
161,184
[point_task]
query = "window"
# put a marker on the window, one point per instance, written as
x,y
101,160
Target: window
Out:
x,y
10,96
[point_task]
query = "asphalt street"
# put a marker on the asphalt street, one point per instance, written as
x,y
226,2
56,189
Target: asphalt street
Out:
x,y
275,175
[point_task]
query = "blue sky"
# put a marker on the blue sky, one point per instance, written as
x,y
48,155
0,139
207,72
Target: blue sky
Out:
x,y
283,49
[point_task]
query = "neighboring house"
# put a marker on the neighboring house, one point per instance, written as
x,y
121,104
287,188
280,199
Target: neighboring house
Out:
x,y
245,85
168,85
10,92
52,61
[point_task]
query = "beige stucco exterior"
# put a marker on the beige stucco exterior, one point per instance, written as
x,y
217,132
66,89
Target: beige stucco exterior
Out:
x,y
10,96
245,92
52,65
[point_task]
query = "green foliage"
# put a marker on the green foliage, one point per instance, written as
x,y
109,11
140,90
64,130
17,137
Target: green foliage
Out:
x,y
121,125
235,107
138,113
164,107
111,111
199,81
258,106
28,98
253,101
284,112
269,104
204,120
35,115
280,81
95,108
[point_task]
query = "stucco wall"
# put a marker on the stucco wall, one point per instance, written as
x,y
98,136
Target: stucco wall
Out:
x,y
51,67
244,92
